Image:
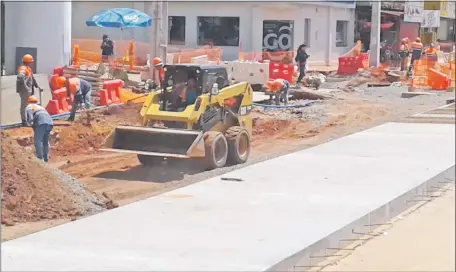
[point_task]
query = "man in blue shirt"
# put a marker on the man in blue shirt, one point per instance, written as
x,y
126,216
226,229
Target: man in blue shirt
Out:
x,y
37,117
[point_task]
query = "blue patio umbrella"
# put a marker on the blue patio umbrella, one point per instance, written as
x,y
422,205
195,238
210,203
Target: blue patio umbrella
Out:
x,y
120,18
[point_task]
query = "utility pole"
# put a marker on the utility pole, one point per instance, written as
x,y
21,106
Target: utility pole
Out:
x,y
159,33
374,56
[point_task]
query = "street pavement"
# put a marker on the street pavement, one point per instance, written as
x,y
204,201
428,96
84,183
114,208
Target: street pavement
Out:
x,y
270,220
10,101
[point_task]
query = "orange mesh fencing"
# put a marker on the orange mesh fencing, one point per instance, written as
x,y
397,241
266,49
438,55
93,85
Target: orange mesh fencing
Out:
x,y
284,57
90,52
186,55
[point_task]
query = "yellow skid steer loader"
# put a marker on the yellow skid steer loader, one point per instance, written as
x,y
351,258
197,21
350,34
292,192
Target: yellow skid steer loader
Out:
x,y
216,126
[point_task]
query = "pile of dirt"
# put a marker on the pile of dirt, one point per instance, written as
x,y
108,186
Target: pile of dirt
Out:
x,y
33,191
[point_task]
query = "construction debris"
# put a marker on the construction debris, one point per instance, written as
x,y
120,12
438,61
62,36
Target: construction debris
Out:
x,y
33,191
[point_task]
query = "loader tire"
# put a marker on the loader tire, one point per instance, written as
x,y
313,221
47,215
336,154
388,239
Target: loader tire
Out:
x,y
238,140
149,161
216,149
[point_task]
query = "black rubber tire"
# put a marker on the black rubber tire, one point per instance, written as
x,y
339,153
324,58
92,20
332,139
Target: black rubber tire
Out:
x,y
149,160
216,149
237,136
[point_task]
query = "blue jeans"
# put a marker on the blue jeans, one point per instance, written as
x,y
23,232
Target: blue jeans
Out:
x,y
78,99
41,139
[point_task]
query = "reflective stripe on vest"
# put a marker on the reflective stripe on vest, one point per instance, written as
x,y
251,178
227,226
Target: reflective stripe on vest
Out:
x,y
27,71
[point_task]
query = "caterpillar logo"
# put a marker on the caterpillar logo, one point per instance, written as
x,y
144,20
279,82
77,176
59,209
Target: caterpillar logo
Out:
x,y
245,110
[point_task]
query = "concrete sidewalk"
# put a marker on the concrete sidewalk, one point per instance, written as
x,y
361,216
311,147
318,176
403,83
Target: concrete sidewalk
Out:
x,y
271,220
10,101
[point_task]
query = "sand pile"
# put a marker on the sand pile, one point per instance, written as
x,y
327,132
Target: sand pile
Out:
x,y
33,191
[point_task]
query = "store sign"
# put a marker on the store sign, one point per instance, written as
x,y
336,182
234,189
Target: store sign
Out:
x,y
432,5
431,18
277,36
393,5
447,9
413,11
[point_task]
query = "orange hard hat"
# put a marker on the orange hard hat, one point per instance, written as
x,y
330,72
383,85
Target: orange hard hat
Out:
x,y
276,85
32,99
418,39
61,81
27,58
157,62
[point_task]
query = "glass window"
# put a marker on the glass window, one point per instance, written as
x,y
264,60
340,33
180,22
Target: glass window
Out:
x,y
218,31
176,30
341,33
277,36
307,32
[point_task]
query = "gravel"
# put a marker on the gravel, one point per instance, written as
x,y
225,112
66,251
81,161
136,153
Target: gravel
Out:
x,y
86,202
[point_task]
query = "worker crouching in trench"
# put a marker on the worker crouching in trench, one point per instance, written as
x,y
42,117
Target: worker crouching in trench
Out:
x,y
81,90
278,90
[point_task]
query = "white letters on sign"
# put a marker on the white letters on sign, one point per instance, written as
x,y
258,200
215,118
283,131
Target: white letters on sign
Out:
x,y
272,41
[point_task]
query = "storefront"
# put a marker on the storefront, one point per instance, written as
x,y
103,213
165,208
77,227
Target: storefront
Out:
x,y
446,30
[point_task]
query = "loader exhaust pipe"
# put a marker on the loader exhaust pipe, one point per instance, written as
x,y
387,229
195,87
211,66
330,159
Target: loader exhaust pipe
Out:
x,y
163,142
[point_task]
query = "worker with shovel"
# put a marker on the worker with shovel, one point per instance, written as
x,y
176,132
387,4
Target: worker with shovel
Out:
x,y
278,90
82,91
37,117
26,84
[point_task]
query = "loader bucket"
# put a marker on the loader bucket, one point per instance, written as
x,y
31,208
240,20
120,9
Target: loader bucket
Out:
x,y
163,142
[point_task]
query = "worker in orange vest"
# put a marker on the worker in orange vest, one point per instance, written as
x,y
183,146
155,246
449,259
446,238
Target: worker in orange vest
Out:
x,y
404,54
417,51
431,53
159,66
278,89
25,84
82,94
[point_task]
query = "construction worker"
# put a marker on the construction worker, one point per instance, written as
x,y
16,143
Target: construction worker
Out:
x,y
188,95
81,90
158,64
25,84
431,53
404,54
280,88
417,51
37,117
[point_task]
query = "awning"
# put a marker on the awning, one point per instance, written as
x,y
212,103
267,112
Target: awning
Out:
x,y
395,13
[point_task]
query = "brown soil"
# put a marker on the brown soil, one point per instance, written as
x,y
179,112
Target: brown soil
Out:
x,y
30,191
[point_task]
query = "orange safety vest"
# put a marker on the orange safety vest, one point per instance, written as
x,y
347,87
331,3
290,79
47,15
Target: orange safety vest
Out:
x,y
75,85
431,54
161,75
25,69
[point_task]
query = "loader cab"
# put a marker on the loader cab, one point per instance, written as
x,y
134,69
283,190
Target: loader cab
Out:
x,y
177,78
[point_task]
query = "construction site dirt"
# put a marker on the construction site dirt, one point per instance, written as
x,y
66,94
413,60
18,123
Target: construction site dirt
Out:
x,y
113,179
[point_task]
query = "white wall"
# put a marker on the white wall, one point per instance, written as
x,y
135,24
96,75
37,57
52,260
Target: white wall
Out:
x,y
44,25
82,11
251,16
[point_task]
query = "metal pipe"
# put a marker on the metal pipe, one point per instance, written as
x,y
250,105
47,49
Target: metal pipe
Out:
x,y
55,116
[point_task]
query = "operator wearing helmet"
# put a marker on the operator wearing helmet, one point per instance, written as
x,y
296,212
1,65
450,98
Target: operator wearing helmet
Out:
x,y
25,84
37,117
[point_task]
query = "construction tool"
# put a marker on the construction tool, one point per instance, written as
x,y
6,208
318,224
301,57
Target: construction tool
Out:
x,y
216,128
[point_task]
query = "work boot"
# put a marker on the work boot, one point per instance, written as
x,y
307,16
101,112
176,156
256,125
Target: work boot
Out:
x,y
24,123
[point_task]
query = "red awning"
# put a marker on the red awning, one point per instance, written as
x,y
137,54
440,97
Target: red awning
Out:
x,y
384,26
395,13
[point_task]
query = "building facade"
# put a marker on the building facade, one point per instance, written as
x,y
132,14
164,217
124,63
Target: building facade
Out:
x,y
327,27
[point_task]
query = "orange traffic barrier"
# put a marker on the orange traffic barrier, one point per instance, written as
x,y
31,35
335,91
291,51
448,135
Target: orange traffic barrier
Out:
x,y
437,80
61,96
112,88
53,107
279,70
104,98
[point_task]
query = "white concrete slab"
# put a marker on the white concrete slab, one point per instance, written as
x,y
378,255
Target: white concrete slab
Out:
x,y
220,225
